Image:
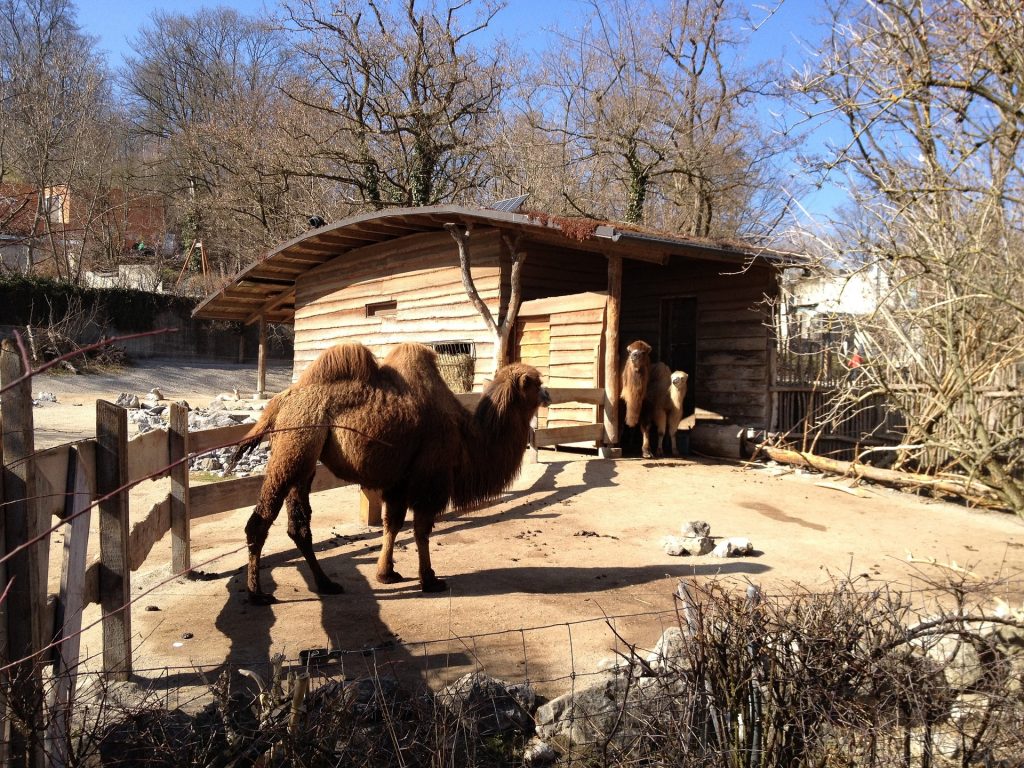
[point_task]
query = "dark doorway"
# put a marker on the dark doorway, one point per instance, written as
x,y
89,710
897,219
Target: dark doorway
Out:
x,y
678,347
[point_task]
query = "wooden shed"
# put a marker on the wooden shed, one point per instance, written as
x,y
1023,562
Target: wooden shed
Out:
x,y
587,289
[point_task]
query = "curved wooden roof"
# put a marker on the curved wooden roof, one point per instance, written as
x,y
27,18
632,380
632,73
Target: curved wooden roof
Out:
x,y
267,287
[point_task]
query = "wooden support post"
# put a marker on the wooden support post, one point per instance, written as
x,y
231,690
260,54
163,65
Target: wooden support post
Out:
x,y
611,353
115,576
177,451
26,601
67,622
261,362
370,506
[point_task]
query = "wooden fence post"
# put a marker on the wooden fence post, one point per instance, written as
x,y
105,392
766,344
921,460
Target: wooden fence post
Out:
x,y
115,576
177,449
68,616
370,504
611,359
26,600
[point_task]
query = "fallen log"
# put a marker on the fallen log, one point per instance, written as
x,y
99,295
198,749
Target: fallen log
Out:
x,y
971,490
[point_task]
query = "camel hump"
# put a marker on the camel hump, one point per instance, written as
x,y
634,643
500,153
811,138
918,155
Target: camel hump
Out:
x,y
661,376
412,359
340,362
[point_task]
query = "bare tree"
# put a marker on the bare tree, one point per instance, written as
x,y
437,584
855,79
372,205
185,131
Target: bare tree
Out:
x,y
403,99
54,101
206,94
655,126
932,92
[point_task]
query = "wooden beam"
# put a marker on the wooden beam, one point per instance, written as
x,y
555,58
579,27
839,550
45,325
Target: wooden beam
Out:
x,y
561,304
270,305
261,361
147,454
68,615
177,453
370,506
214,498
611,352
115,575
26,571
204,440
565,435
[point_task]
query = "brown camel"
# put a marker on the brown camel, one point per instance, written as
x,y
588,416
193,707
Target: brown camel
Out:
x,y
395,427
642,385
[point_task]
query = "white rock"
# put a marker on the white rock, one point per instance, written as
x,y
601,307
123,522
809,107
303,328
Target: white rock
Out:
x,y
538,752
736,546
676,546
669,655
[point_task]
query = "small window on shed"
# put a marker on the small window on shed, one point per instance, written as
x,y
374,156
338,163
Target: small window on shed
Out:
x,y
382,308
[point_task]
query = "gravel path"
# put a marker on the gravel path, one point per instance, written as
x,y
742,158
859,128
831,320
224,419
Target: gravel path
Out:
x,y
174,377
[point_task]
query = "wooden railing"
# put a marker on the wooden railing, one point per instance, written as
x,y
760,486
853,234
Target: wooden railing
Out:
x,y
577,433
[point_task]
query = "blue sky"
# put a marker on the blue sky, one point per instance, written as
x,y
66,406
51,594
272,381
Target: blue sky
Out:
x,y
526,22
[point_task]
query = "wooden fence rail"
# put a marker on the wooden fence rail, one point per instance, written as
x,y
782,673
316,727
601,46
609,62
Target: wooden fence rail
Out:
x,y
101,471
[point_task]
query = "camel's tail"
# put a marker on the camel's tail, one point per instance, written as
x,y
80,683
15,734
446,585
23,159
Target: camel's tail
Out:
x,y
259,430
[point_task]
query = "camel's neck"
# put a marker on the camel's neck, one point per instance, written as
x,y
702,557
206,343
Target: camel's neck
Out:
x,y
677,395
634,390
496,440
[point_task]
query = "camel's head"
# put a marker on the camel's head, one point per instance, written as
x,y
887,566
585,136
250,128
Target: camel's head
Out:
x,y
679,379
639,354
520,384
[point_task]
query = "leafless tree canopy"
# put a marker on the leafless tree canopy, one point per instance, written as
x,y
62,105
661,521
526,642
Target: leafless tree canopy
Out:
x,y
650,114
403,99
54,103
932,92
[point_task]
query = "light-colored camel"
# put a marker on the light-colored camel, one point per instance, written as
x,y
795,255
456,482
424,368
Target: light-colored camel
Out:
x,y
667,395
395,427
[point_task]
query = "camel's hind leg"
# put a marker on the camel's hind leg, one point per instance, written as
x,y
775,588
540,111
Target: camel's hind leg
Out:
x,y
394,518
287,460
299,516
267,509
423,523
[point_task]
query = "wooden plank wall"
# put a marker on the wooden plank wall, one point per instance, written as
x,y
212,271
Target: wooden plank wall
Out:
x,y
575,333
419,272
733,336
550,271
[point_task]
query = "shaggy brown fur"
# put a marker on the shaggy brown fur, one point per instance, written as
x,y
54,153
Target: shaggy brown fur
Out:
x,y
635,373
666,393
394,427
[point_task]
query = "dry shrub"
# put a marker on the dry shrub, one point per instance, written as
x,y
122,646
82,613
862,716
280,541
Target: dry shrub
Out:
x,y
853,675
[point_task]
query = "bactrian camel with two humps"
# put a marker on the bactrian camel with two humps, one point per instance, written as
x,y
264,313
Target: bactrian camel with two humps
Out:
x,y
393,426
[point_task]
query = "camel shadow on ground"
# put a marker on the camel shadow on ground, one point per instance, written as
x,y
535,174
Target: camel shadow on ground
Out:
x,y
558,580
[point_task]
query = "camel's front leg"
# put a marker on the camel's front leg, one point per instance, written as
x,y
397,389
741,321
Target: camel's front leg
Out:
x,y
394,519
645,430
423,523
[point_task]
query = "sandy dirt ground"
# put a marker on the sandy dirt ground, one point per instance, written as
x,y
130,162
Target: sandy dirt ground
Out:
x,y
545,585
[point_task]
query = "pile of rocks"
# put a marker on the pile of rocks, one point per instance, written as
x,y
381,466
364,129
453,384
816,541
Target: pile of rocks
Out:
x,y
697,540
150,413
43,397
